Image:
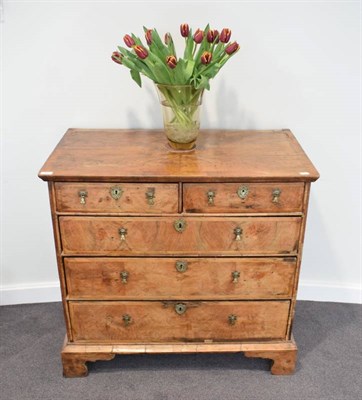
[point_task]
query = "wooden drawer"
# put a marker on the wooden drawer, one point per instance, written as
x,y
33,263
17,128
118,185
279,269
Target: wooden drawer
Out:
x,y
159,322
132,197
201,235
243,197
187,278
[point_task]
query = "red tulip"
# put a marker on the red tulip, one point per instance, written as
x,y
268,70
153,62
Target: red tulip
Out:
x,y
232,48
225,35
141,52
171,61
117,57
206,57
129,40
185,30
212,34
148,36
167,38
198,36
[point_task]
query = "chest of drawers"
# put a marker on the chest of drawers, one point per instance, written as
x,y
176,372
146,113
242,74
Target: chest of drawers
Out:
x,y
160,251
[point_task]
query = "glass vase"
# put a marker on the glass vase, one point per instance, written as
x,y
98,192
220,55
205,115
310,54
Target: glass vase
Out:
x,y
181,114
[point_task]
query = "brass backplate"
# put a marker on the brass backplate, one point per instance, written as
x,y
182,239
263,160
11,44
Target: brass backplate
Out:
x,y
180,225
116,192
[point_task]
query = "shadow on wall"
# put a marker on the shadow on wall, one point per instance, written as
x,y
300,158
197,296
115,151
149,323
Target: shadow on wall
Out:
x,y
229,114
154,116
319,254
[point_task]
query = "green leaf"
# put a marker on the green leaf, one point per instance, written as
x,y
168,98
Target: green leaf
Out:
x,y
136,77
189,69
156,40
171,47
202,82
189,46
161,74
131,61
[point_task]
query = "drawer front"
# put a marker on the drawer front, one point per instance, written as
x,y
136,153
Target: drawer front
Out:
x,y
187,278
243,198
115,322
209,235
118,198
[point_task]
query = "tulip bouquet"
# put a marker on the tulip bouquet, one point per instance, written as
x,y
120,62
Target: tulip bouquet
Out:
x,y
180,81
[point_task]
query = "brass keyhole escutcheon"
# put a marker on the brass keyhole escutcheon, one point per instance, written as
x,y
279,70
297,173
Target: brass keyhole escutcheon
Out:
x,y
232,319
180,225
181,266
124,276
243,192
276,194
127,319
180,308
82,194
116,192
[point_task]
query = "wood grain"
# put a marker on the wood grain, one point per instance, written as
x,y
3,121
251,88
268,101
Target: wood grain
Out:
x,y
158,278
142,156
132,200
91,254
58,249
282,353
158,321
258,200
209,235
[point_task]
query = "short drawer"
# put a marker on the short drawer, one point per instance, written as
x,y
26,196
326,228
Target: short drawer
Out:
x,y
116,198
186,278
175,236
243,197
156,321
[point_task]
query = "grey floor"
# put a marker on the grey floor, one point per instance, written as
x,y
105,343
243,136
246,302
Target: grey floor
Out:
x,y
329,364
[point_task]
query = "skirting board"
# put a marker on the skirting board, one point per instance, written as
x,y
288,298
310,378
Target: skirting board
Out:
x,y
49,291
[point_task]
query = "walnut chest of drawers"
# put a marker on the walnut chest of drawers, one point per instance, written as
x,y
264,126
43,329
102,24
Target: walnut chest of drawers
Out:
x,y
161,251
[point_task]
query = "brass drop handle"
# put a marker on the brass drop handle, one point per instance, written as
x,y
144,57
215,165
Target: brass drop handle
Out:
x,y
181,266
235,275
276,194
150,196
124,276
122,232
232,319
127,319
82,194
180,308
238,232
210,197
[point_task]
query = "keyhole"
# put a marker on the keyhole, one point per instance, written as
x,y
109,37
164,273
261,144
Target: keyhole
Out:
x,y
180,308
179,225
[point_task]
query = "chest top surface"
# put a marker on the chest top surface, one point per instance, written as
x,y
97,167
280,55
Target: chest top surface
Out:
x,y
143,155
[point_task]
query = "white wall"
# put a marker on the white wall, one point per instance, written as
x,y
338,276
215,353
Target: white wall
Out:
x,y
298,68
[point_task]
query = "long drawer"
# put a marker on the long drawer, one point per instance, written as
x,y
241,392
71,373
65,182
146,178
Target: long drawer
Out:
x,y
243,197
117,197
115,322
189,235
172,278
